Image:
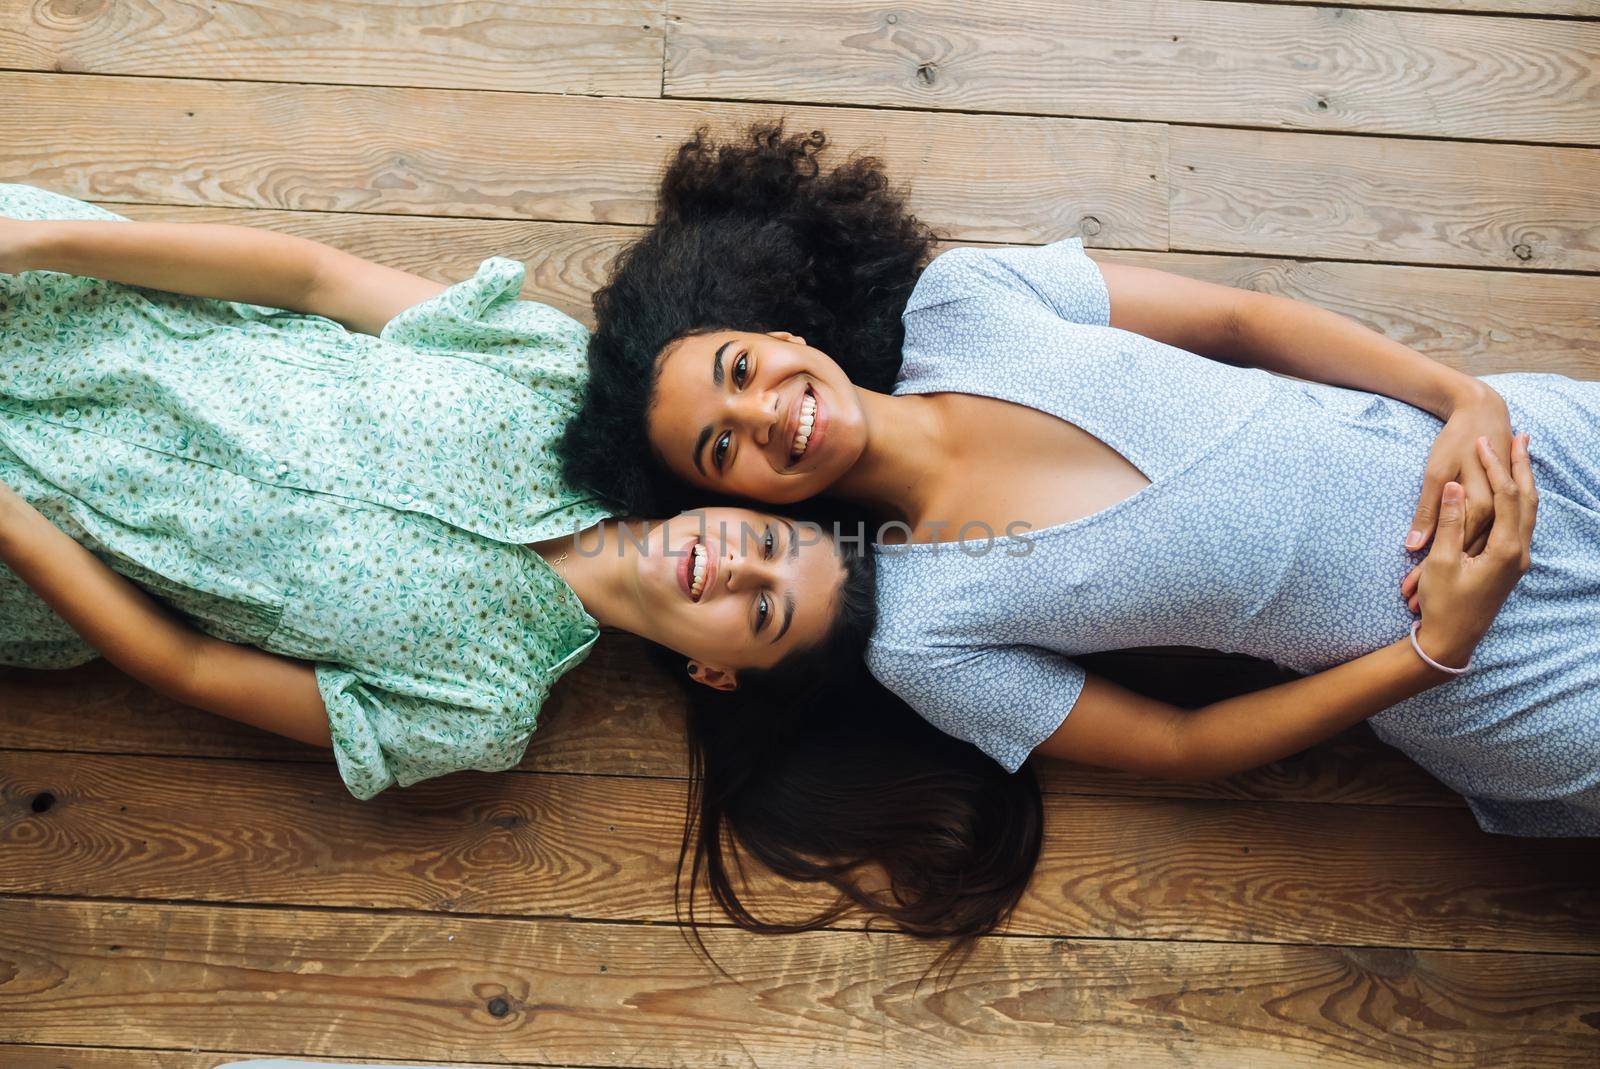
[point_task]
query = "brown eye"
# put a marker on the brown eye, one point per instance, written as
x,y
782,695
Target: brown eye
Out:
x,y
769,544
719,451
741,370
763,610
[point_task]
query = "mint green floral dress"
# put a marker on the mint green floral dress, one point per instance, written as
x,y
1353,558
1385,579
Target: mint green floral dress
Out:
x,y
359,503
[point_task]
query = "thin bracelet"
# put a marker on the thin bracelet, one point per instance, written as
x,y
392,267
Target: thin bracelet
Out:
x,y
1441,667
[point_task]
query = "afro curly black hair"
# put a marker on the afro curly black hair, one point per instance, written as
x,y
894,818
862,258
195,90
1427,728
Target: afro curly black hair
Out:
x,y
753,234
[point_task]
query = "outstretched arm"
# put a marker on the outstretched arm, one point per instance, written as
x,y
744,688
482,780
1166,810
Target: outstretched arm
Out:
x,y
134,633
1292,337
230,263
1460,593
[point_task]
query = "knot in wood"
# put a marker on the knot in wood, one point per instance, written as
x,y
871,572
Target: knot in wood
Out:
x,y
891,18
73,9
1523,251
42,802
499,1007
927,73
1089,226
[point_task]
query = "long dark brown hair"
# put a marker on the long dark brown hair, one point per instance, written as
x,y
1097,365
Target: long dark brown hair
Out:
x,y
854,788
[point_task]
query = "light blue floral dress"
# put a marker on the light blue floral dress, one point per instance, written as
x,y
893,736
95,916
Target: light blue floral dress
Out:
x,y
1272,526
359,503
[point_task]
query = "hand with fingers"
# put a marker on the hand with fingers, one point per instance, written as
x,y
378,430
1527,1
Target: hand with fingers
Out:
x,y
1460,593
1454,457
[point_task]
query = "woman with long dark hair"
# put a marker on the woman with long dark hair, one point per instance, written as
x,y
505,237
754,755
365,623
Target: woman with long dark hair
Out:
x,y
1064,470
346,490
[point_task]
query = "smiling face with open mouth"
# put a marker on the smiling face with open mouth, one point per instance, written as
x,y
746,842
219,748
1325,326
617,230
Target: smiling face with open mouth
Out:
x,y
757,416
734,589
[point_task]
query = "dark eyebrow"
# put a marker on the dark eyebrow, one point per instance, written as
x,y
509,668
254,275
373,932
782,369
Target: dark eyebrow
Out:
x,y
788,616
794,541
705,432
699,449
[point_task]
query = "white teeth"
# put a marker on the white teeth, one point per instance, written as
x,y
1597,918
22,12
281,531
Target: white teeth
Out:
x,y
808,418
698,581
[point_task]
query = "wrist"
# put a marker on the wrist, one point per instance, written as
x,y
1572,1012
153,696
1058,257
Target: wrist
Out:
x,y
45,245
1458,392
26,242
1451,651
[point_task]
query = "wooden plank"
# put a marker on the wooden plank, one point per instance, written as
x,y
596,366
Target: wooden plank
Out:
x,y
578,159
32,1056
1189,61
42,1057
1482,322
285,833
402,987
1589,9
991,178
545,46
618,714
1367,198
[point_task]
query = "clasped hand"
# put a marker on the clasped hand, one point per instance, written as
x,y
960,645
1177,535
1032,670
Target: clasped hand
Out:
x,y
1455,458
1459,593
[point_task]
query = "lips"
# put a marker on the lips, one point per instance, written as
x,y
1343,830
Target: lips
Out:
x,y
804,426
685,569
804,438
819,430
696,556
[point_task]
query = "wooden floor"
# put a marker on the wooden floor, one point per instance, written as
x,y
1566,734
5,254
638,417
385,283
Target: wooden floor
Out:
x,y
176,890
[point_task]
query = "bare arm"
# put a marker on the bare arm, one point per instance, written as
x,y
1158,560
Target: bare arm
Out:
x,y
134,633
231,263
1116,728
1292,337
1461,594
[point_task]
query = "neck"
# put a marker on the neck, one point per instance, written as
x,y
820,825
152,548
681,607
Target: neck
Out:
x,y
594,563
905,449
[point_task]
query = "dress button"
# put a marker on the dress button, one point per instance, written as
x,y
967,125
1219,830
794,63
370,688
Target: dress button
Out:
x,y
181,442
405,499
71,415
283,471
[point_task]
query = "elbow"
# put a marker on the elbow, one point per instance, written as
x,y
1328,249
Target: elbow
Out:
x,y
311,280
185,679
1231,341
1175,758
1185,756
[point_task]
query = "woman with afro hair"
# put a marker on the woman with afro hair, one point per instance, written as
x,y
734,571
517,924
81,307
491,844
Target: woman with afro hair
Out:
x,y
1067,456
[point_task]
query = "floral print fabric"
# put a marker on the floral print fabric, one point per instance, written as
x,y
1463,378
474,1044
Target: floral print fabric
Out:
x,y
359,503
1272,526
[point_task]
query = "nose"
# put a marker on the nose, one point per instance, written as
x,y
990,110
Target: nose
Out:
x,y
756,413
744,568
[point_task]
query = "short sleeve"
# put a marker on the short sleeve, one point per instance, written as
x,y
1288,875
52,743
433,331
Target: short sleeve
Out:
x,y
484,314
1060,276
384,738
1005,700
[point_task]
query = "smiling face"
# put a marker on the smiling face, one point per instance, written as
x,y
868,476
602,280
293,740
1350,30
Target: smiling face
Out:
x,y
758,416
734,590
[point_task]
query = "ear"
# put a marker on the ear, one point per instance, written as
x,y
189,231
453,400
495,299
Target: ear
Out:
x,y
715,678
784,335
